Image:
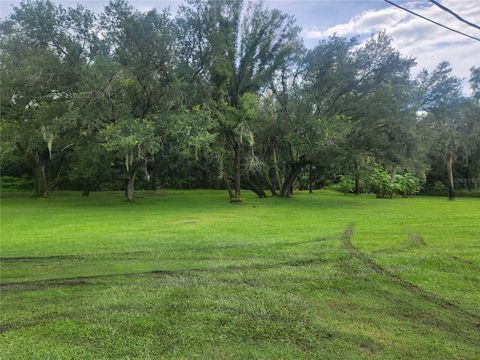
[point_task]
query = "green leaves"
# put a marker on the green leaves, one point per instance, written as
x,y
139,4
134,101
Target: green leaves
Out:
x,y
406,184
131,138
188,131
224,85
384,185
346,184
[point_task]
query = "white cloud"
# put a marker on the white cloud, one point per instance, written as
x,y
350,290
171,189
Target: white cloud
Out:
x,y
413,36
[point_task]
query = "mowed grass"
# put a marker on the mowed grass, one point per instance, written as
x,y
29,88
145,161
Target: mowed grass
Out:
x,y
186,274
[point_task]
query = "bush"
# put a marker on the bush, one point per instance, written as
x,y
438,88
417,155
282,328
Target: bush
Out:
x,y
406,184
381,182
439,189
346,184
386,186
16,183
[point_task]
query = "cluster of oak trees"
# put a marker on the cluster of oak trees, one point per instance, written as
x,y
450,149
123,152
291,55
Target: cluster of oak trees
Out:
x,y
223,94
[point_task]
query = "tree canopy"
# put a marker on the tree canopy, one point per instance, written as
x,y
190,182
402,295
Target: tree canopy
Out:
x,y
223,94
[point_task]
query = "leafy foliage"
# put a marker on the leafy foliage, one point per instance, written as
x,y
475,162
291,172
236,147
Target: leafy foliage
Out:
x,y
223,95
346,184
386,186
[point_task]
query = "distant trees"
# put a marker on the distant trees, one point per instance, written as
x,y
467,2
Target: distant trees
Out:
x,y
346,99
223,94
42,64
385,185
236,56
441,99
469,134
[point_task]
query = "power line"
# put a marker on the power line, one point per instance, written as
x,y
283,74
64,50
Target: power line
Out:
x,y
454,14
432,21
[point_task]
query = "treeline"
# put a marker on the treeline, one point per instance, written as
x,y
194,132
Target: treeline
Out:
x,y
221,95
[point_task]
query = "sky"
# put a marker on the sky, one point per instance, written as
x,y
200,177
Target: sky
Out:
x,y
412,36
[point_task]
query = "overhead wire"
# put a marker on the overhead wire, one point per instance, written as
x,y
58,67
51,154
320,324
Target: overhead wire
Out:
x,y
432,21
444,8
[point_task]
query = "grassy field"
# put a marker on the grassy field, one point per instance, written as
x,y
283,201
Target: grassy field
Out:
x,y
185,274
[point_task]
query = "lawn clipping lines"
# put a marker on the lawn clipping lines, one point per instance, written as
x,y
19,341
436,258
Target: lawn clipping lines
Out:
x,y
345,238
368,262
84,280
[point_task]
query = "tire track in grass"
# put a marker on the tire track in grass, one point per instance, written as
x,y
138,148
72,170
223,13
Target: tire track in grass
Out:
x,y
34,321
55,316
14,259
367,261
345,238
86,280
419,242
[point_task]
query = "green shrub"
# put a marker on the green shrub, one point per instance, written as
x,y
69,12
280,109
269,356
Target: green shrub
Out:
x,y
346,184
16,183
386,186
406,184
381,182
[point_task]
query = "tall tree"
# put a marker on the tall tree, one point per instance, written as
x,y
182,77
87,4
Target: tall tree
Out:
x,y
44,49
337,76
441,101
237,52
138,84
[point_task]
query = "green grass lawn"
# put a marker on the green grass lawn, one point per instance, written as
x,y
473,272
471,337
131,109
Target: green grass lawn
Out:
x,y
186,274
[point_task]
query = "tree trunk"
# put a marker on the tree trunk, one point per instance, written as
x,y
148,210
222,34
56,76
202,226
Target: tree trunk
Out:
x,y
228,186
126,187
357,184
357,177
275,165
268,182
237,195
130,184
469,181
152,182
47,172
41,176
287,184
256,189
131,187
294,170
86,189
310,179
451,189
